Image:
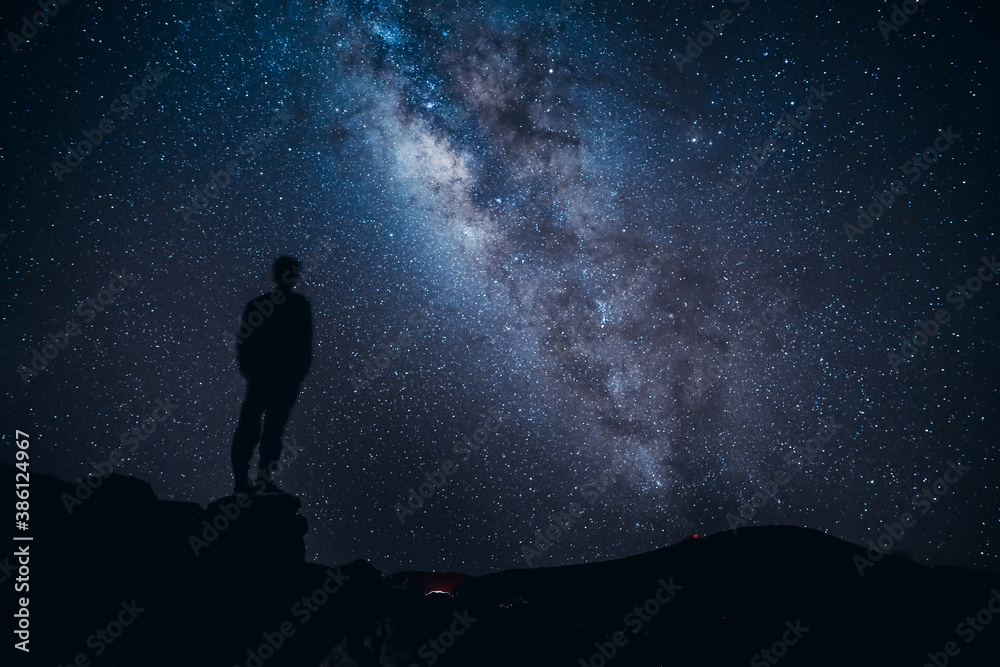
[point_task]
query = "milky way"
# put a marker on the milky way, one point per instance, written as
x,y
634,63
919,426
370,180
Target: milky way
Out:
x,y
661,243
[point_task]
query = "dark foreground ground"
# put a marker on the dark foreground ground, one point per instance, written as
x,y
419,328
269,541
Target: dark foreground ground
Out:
x,y
118,583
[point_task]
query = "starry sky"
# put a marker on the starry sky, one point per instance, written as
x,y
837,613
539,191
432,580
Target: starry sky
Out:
x,y
630,234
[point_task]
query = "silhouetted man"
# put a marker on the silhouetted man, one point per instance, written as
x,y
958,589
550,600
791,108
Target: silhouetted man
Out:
x,y
274,351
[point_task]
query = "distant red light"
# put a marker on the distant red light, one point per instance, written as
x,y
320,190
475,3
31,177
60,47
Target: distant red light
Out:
x,y
436,582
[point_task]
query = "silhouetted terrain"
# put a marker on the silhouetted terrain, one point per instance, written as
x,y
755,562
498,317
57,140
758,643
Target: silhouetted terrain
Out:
x,y
119,582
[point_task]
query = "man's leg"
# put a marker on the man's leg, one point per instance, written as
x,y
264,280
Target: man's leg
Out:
x,y
281,399
248,430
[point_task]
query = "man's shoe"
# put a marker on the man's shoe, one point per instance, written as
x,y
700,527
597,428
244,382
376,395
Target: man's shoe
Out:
x,y
243,486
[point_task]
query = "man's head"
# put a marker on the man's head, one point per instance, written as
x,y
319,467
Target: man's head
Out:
x,y
286,271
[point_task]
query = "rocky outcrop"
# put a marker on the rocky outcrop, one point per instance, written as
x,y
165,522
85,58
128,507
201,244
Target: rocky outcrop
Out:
x,y
122,578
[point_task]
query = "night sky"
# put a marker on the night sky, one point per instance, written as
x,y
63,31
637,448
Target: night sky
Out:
x,y
629,246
